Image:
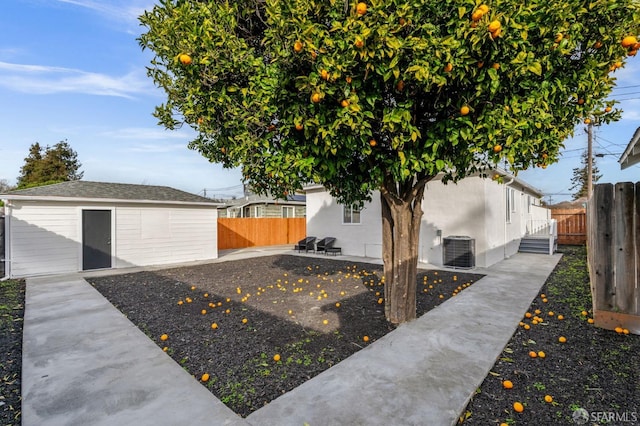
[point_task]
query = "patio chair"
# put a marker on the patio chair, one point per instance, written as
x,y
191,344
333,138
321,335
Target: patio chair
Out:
x,y
329,248
308,243
325,243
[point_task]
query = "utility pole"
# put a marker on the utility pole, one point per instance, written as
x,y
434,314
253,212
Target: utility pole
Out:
x,y
589,160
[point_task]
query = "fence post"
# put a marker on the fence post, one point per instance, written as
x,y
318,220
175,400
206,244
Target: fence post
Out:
x,y
624,257
599,240
2,247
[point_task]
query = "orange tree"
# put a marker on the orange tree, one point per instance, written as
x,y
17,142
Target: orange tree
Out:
x,y
385,95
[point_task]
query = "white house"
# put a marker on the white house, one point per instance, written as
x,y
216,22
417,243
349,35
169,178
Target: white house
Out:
x,y
495,216
80,225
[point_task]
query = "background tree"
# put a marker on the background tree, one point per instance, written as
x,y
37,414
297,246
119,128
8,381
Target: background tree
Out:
x,y
5,186
48,165
581,176
385,95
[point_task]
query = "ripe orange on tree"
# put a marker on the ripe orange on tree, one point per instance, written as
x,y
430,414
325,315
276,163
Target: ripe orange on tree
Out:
x,y
344,103
373,142
316,97
448,67
297,46
497,148
629,41
299,126
477,15
494,26
185,59
359,43
464,110
361,8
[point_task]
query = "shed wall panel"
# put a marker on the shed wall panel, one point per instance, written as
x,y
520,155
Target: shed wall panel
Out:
x,y
43,239
156,235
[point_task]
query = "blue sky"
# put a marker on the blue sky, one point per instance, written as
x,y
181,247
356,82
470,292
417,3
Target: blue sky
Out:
x,y
72,69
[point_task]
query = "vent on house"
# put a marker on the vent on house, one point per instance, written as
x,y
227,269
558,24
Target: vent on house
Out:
x,y
459,252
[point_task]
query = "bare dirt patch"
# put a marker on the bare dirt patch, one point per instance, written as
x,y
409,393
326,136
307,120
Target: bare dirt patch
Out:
x,y
230,319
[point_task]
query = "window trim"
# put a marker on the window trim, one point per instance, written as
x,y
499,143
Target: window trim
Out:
x,y
291,209
351,211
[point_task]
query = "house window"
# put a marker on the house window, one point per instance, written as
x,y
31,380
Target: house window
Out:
x,y
509,200
254,211
350,214
513,200
288,211
529,202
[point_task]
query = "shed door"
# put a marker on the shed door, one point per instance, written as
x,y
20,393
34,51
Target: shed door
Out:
x,y
96,239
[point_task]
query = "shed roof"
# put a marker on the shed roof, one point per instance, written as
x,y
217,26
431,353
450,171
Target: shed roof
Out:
x,y
631,154
104,191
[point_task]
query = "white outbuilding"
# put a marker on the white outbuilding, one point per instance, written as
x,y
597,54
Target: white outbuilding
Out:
x,y
80,226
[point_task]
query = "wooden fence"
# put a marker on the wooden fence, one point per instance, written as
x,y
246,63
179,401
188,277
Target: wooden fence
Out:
x,y
252,232
614,255
572,225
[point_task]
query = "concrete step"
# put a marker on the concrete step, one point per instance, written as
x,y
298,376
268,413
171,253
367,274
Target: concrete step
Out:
x,y
534,245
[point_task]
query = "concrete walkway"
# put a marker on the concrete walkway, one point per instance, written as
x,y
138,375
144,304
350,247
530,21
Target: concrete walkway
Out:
x,y
84,363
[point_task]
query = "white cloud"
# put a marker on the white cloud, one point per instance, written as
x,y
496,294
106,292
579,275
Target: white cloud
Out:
x,y
145,133
45,80
115,10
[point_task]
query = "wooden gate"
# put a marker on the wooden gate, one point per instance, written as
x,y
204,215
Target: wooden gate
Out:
x,y
253,232
614,255
572,225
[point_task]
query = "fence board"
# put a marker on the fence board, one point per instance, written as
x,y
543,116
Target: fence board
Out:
x,y
624,256
613,217
600,243
572,225
254,232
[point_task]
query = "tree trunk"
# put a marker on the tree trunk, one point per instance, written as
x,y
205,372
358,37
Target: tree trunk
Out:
x,y
401,217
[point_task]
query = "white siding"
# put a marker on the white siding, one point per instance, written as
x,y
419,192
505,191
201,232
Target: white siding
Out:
x,y
46,237
161,235
454,209
474,207
324,219
43,238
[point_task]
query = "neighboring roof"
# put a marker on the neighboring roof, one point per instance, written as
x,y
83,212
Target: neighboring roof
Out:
x,y
102,191
296,200
631,155
575,204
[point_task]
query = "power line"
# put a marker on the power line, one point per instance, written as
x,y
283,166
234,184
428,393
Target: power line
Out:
x,y
626,87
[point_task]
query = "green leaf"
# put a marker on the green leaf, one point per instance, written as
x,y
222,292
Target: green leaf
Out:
x,y
402,157
535,68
